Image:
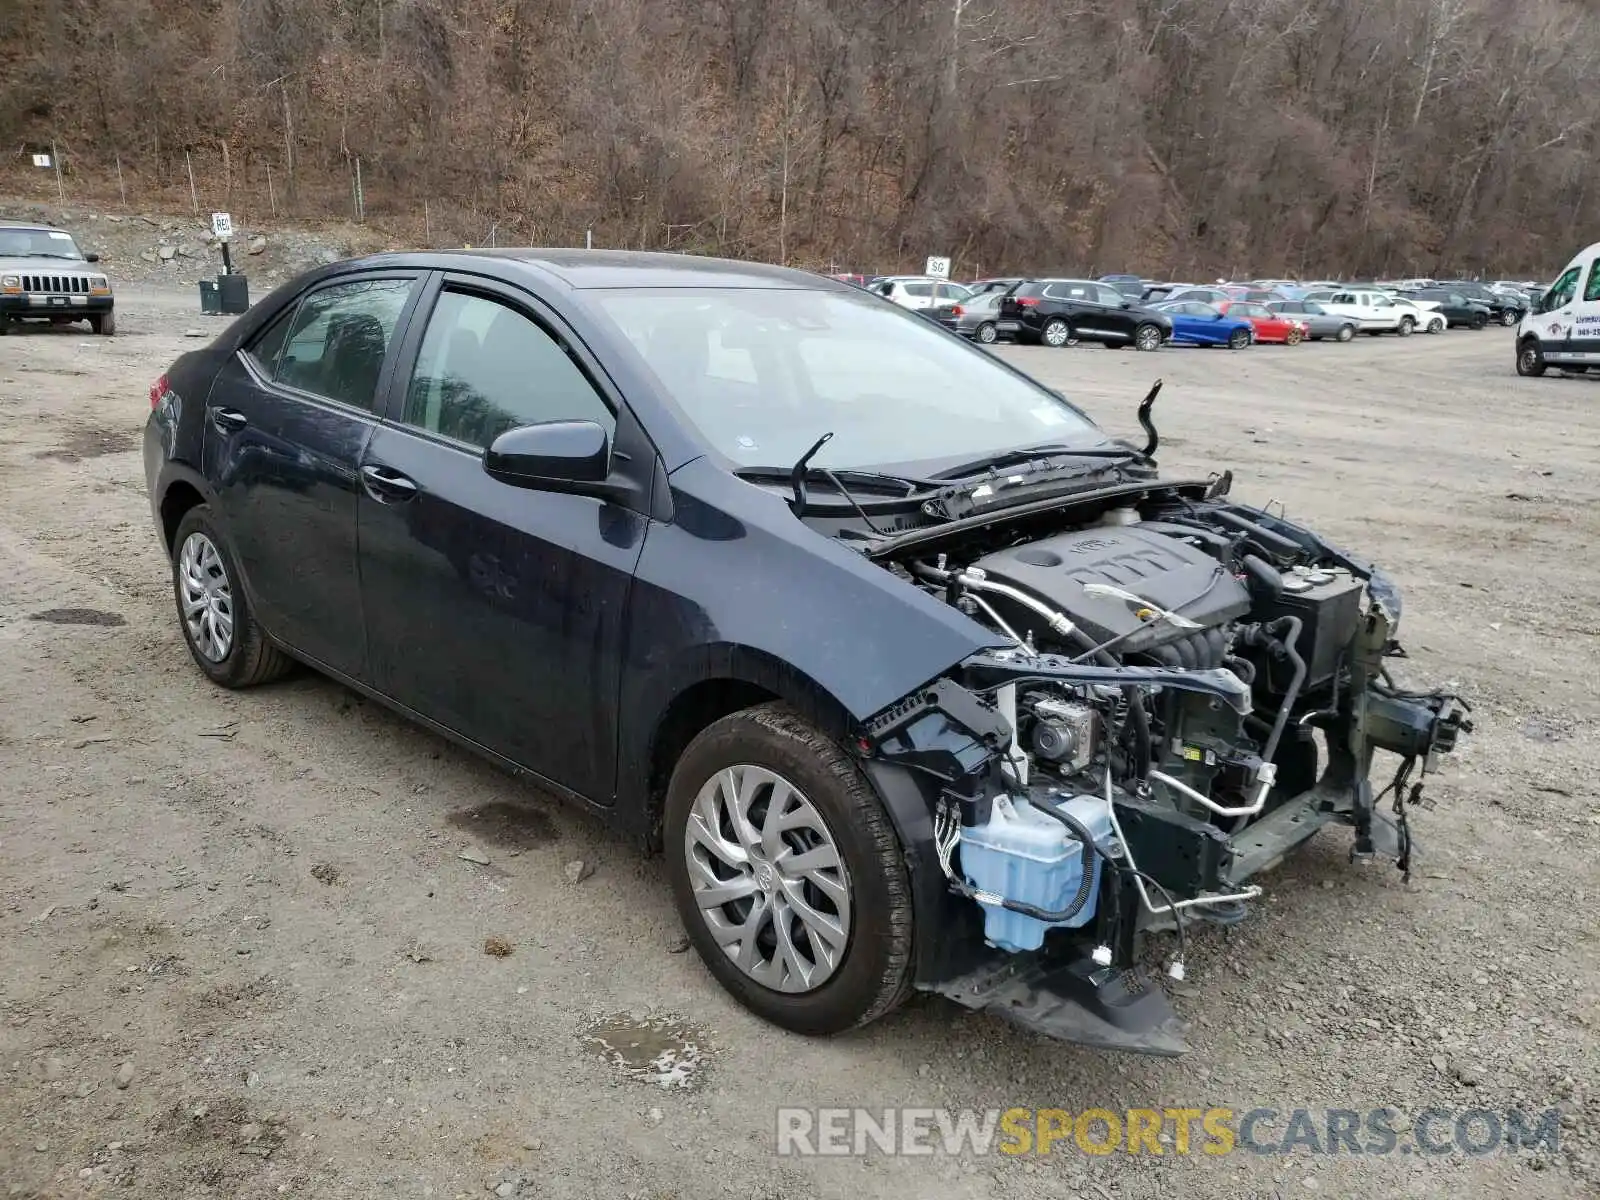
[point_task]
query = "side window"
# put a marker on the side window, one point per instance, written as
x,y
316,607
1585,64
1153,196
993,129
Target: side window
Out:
x,y
1591,290
1111,297
268,344
338,339
917,289
1562,290
485,368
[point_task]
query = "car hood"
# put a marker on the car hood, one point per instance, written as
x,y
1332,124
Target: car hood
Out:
x,y
43,266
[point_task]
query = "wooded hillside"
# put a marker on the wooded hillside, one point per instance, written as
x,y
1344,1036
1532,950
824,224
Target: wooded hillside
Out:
x,y
1172,137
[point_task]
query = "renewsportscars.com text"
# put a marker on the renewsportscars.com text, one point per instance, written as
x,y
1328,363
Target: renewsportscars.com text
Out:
x,y
1163,1131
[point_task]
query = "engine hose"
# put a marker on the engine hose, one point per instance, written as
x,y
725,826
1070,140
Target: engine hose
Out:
x,y
1289,627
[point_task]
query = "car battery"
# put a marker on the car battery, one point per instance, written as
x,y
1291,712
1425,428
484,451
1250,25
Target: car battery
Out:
x,y
1328,603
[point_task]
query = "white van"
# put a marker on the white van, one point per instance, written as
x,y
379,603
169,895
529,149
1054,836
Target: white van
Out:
x,y
1563,330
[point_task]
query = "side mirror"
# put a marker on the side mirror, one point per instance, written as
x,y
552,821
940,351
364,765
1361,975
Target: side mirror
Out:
x,y
91,258
555,456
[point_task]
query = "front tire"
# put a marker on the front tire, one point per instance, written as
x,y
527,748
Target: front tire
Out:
x,y
787,873
986,333
1293,337
1147,338
220,630
1508,318
1436,325
1479,320
105,324
1407,325
1530,359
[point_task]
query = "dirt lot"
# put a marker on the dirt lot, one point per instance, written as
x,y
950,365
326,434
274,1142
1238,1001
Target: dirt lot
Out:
x,y
257,901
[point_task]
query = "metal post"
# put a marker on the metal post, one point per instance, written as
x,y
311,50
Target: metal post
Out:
x,y
588,238
55,161
227,262
427,226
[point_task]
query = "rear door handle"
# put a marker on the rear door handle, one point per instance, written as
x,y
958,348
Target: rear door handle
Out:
x,y
228,420
386,486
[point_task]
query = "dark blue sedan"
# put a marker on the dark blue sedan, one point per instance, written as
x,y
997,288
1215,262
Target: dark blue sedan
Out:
x,y
1195,323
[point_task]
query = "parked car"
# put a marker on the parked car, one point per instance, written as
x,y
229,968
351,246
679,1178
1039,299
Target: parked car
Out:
x,y
1425,313
1131,286
1062,312
1374,312
1318,321
1268,325
1454,307
1563,330
45,277
1197,324
918,292
1206,295
803,592
1503,309
978,286
975,317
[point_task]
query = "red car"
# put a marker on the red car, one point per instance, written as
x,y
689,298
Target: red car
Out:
x,y
1269,326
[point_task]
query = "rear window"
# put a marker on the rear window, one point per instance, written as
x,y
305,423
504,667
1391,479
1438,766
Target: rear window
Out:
x,y
1031,288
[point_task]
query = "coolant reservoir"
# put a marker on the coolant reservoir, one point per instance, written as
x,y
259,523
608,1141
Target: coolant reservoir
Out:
x,y
1022,854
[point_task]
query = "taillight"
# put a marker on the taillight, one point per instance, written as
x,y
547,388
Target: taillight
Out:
x,y
957,311
1027,301
158,389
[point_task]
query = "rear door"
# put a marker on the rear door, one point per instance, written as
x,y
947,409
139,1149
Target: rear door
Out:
x,y
496,611
286,422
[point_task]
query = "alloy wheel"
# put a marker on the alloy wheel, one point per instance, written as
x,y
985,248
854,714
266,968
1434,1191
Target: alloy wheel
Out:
x,y
1508,318
768,878
1147,338
987,333
207,597
1056,333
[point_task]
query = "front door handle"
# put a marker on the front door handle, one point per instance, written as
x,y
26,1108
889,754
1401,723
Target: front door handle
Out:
x,y
228,420
386,486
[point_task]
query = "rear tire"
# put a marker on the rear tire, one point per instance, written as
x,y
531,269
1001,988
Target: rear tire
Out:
x,y
1479,320
986,333
1056,333
248,658
1238,339
1509,318
1530,359
1346,333
774,744
1147,338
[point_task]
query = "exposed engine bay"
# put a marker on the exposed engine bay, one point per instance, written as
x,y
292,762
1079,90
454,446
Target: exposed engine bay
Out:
x,y
1188,689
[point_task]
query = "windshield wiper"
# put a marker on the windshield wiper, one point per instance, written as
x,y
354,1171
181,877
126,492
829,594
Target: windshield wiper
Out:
x,y
1030,454
68,257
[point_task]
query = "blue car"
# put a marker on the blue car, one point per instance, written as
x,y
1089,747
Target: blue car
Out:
x,y
1195,323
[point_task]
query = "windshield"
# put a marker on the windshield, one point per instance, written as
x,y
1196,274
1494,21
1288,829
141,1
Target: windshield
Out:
x,y
37,243
763,373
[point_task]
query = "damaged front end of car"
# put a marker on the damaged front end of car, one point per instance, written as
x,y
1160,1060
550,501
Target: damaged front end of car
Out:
x,y
1191,688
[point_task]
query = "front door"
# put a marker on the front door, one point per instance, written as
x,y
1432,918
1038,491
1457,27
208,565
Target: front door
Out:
x,y
1555,325
496,611
1583,330
286,422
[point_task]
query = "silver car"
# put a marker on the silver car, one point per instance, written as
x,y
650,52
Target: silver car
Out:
x,y
972,317
45,277
1320,323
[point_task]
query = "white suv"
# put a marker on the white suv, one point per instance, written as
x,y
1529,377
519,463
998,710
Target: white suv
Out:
x,y
920,291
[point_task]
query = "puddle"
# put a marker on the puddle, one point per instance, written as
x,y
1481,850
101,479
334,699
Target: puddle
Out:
x,y
664,1050
91,443
77,616
516,826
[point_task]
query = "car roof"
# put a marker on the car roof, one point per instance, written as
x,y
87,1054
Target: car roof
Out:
x,y
39,225
599,269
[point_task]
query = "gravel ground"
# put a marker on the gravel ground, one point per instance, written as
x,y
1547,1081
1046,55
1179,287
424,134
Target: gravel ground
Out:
x,y
281,943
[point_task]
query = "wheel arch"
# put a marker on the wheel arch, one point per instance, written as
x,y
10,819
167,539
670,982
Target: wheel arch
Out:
x,y
727,680
181,492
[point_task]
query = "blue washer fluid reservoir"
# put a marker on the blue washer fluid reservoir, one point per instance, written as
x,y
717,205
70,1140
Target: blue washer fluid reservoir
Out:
x,y
1022,854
